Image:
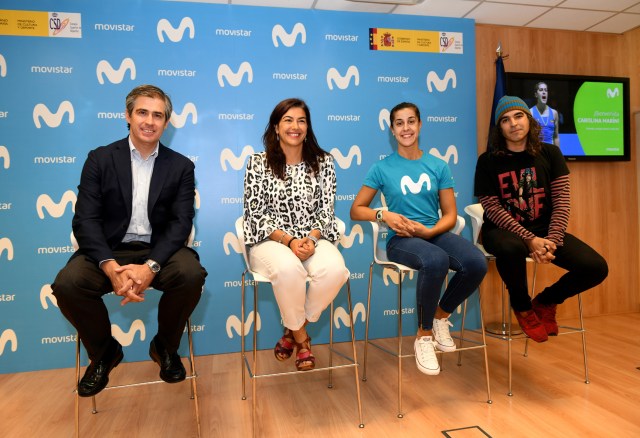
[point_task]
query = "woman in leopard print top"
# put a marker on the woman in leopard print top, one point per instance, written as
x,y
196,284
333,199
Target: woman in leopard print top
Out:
x,y
289,223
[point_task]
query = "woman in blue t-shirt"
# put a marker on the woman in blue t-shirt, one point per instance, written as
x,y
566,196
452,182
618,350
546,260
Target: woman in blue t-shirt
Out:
x,y
415,186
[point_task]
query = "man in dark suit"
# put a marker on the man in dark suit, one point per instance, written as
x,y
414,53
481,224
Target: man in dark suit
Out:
x,y
133,216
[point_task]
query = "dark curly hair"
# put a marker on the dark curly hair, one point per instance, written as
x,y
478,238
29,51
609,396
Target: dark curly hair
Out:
x,y
312,153
498,144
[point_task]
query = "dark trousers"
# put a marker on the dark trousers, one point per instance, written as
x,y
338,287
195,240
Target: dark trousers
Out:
x,y
585,267
80,285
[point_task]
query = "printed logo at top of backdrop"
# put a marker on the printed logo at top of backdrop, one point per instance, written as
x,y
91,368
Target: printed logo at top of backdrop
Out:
x,y
175,34
42,24
406,40
278,33
115,76
53,120
451,42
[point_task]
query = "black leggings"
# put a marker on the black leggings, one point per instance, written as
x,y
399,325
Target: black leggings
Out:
x,y
585,267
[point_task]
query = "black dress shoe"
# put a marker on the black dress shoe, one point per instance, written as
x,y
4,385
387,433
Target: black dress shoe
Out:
x,y
96,377
171,368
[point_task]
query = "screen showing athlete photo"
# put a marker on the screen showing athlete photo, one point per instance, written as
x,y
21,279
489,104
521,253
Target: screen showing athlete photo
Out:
x,y
586,116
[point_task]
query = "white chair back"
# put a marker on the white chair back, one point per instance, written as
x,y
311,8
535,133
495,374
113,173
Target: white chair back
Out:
x,y
476,213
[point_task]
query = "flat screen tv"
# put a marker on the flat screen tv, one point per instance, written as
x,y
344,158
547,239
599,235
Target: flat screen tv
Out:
x,y
592,112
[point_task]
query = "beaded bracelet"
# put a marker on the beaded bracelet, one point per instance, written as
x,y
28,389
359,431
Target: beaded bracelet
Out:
x,y
282,237
289,244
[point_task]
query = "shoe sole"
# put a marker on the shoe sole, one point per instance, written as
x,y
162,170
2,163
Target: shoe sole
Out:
x,y
445,348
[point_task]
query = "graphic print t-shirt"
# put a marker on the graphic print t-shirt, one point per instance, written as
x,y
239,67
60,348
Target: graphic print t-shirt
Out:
x,y
410,187
521,182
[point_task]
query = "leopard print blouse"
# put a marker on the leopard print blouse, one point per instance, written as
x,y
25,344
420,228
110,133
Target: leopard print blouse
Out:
x,y
297,205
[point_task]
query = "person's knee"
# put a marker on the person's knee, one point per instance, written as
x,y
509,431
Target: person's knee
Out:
x,y
477,265
599,269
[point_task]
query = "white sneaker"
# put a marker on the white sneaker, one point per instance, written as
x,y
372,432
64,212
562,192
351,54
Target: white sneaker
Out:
x,y
426,359
442,338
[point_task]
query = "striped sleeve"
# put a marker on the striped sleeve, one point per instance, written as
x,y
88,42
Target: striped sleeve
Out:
x,y
495,213
561,206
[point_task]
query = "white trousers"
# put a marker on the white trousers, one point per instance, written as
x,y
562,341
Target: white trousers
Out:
x,y
288,276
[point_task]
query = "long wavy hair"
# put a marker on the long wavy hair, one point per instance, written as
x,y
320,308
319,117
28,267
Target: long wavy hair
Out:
x,y
312,153
498,144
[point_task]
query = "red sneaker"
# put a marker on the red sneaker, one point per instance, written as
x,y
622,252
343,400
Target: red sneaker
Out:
x,y
531,325
547,315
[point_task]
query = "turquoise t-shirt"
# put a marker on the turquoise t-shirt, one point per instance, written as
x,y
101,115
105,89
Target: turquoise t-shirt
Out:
x,y
410,187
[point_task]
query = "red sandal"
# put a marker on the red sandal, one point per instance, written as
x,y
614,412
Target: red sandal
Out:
x,y
284,348
305,360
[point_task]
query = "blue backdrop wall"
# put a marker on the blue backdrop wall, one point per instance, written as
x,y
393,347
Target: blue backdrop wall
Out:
x,y
225,67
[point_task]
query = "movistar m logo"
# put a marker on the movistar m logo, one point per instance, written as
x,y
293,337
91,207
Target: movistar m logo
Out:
x,y
414,187
433,80
345,162
47,294
3,66
126,338
452,151
8,337
230,240
384,118
53,120
175,34
44,202
115,76
6,158
6,245
179,120
341,315
613,93
288,39
392,274
235,323
342,82
347,240
236,163
234,79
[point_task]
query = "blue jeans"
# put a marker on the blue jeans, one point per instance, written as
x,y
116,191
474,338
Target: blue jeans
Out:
x,y
433,259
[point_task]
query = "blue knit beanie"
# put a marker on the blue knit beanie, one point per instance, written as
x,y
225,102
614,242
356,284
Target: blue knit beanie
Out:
x,y
510,103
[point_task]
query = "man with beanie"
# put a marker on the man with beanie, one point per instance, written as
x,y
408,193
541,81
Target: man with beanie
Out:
x,y
517,227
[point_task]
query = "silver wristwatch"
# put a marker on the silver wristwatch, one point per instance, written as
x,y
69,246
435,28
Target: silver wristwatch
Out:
x,y
379,218
153,265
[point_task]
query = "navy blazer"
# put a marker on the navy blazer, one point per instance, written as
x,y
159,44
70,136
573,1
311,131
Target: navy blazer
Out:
x,y
105,196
